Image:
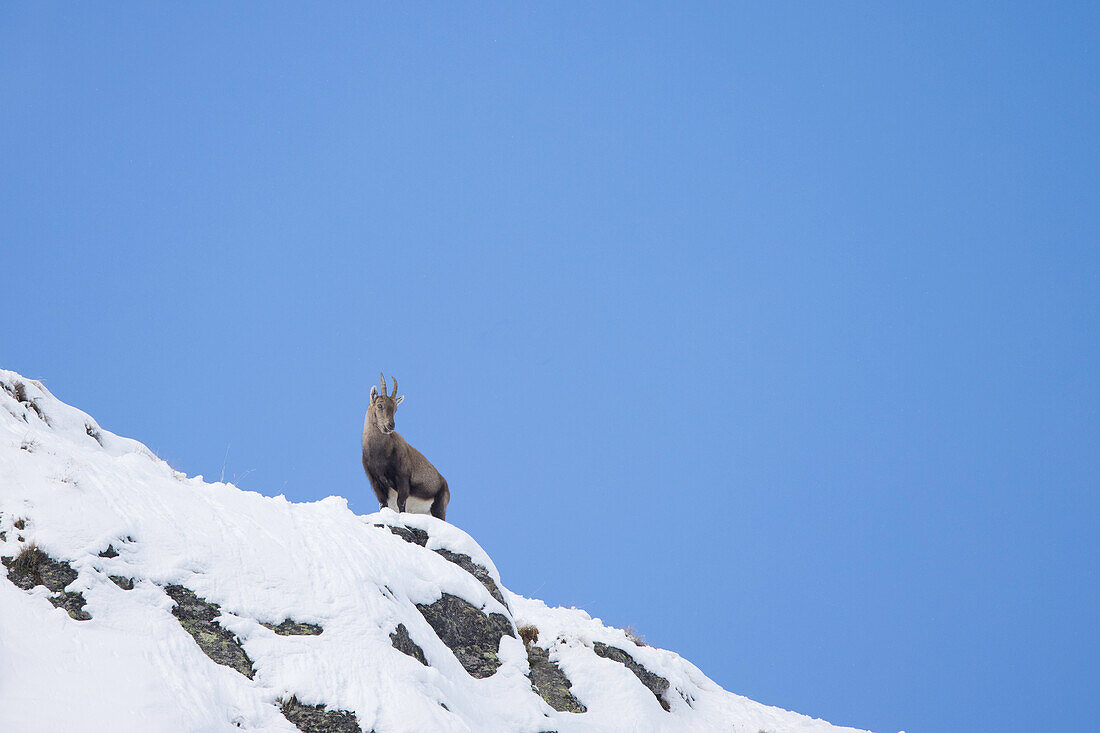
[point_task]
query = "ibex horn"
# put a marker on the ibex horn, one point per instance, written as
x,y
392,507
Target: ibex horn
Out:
x,y
383,378
394,388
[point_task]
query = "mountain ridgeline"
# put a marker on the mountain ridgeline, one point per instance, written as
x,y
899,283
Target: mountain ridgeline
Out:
x,y
135,597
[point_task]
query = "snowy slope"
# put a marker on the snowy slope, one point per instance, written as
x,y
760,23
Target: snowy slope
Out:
x,y
74,490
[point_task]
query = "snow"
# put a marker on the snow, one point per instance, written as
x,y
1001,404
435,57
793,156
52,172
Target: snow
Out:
x,y
80,488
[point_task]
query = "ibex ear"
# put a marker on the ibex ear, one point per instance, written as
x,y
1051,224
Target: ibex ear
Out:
x,y
374,393
400,400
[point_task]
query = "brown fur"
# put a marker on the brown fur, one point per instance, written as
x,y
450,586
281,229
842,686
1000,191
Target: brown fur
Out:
x,y
392,465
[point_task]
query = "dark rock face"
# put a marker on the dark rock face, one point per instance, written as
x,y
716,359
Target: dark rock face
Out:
x,y
551,683
402,642
73,603
409,534
122,582
315,719
18,390
471,635
294,628
657,685
109,552
197,616
479,572
33,567
420,537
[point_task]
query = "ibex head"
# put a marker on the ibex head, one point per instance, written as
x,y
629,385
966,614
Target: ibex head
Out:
x,y
383,406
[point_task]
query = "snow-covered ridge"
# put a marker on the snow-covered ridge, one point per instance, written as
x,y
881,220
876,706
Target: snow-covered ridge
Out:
x,y
108,507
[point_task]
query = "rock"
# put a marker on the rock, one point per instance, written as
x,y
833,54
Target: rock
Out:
x,y
294,628
122,582
471,635
197,616
316,719
73,603
409,534
657,685
33,567
420,537
402,642
550,682
18,391
109,552
478,571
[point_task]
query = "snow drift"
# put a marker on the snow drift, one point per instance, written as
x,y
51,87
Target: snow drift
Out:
x,y
151,601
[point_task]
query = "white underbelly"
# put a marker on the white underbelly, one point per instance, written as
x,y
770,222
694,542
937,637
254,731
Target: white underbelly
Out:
x,y
412,504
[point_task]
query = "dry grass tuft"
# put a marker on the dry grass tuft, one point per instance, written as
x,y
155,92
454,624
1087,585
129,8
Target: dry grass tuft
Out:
x,y
19,392
27,562
529,634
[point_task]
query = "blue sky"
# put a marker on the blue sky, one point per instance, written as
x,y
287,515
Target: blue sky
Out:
x,y
768,329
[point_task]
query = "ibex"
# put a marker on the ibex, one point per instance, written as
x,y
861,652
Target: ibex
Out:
x,y
399,473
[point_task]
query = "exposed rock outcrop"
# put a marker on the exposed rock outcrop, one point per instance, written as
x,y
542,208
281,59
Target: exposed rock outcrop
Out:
x,y
73,603
122,581
316,719
409,534
551,683
197,617
417,536
33,567
289,627
479,572
471,635
402,642
657,685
